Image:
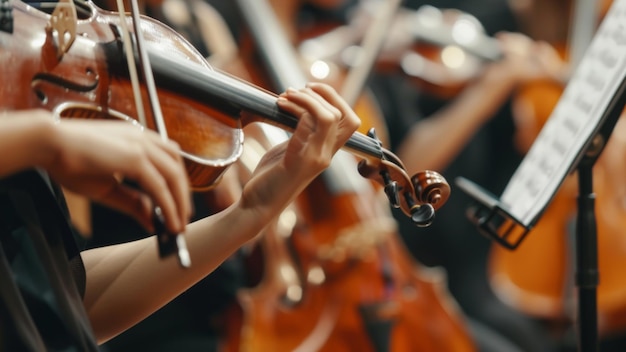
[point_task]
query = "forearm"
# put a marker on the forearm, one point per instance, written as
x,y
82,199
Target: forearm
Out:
x,y
434,142
128,282
26,137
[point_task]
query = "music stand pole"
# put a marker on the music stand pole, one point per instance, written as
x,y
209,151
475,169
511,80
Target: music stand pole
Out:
x,y
587,276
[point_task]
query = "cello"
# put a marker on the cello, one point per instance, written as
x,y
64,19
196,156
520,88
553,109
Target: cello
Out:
x,y
335,278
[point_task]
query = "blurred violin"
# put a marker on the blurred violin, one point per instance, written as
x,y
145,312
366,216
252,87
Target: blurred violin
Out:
x,y
440,50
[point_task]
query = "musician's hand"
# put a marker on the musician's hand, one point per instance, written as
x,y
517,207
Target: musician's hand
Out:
x,y
526,59
326,122
92,157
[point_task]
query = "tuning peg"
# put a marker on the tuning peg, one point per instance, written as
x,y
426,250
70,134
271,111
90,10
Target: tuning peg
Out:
x,y
391,189
421,215
372,134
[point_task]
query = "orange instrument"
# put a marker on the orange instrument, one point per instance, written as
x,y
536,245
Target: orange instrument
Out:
x,y
537,277
335,277
545,287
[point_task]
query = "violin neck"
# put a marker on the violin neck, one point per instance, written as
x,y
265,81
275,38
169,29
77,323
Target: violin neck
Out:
x,y
238,99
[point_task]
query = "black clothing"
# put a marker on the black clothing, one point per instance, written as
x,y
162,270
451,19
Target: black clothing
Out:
x,y
188,323
42,278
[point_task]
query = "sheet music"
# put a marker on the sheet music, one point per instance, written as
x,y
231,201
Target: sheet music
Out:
x,y
573,121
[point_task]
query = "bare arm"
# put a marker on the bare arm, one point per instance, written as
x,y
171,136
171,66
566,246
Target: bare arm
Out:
x,y
26,136
434,142
127,282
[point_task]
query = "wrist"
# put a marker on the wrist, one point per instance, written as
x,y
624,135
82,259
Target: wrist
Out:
x,y
46,134
245,223
500,77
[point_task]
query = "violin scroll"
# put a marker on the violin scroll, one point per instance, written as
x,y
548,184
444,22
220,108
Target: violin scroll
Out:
x,y
431,187
418,196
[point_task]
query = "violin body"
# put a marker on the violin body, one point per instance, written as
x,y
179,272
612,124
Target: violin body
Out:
x,y
90,81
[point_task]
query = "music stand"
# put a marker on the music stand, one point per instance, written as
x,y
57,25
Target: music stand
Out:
x,y
571,140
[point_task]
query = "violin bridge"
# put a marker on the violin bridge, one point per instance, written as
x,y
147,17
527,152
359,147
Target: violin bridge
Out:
x,y
62,26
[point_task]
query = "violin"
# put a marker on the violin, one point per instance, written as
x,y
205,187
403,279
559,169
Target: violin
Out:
x,y
440,50
204,109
